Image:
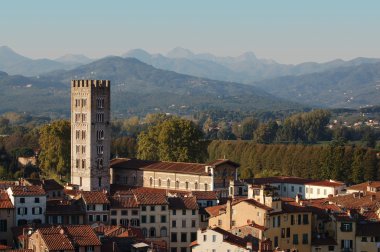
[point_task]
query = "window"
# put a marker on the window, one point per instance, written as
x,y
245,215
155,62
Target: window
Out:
x,y
219,222
98,217
193,212
287,232
143,218
83,163
152,208
100,103
331,248
305,239
346,227
177,184
174,223
124,222
22,200
152,232
305,219
193,236
159,182
113,212
3,226
364,239
84,103
206,187
193,223
284,188
90,218
213,238
173,237
99,149
99,163
299,219
99,117
105,217
187,185
168,183
325,192
275,241
143,208
196,185
144,232
173,249
282,232
135,212
292,188
37,210
163,218
183,237
100,182
292,219
80,181
124,212
204,237
77,162
295,238
174,212
84,117
77,149
183,249
183,211
100,134
163,208
77,135
83,134
90,248
22,211
163,232
300,189
152,219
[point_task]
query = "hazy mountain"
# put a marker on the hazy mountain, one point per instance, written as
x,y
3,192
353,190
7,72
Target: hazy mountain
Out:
x,y
137,88
350,87
245,68
14,63
74,59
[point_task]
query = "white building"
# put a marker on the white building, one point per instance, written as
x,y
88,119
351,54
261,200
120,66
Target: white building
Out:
x,y
29,203
219,240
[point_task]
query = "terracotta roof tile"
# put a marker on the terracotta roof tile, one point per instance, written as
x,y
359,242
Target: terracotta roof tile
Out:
x,y
163,166
205,195
215,210
5,202
83,235
183,203
124,202
55,238
4,185
92,197
27,191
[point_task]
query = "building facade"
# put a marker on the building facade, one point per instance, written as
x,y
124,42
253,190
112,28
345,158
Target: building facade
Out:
x,y
90,134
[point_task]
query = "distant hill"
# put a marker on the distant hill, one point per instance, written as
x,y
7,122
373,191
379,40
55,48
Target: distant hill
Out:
x,y
345,87
245,68
137,88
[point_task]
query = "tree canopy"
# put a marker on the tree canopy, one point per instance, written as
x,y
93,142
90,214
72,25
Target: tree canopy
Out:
x,y
174,139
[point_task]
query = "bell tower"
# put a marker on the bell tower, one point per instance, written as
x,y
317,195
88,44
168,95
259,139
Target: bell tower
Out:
x,y
90,134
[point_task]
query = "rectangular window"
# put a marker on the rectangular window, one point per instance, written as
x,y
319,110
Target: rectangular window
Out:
x,y
98,217
305,219
183,223
183,211
325,192
84,103
287,232
83,149
143,218
292,219
204,237
84,117
346,227
124,212
213,238
113,212
193,212
183,237
295,238
143,208
152,219
3,226
90,218
305,239
163,218
299,219
77,135
83,134
193,223
174,223
152,208
83,163
105,217
292,188
193,236
135,212
77,149
300,189
173,237
163,208
22,200
318,191
174,212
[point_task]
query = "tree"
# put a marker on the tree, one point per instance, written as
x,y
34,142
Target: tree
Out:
x,y
266,132
174,139
55,147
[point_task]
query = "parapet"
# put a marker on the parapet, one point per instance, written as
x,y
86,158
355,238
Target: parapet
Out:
x,y
90,83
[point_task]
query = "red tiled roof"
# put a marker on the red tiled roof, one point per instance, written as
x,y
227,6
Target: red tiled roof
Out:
x,y
162,166
356,200
363,186
83,235
215,210
205,195
150,197
55,238
4,185
230,238
223,161
47,184
253,203
183,203
119,231
194,243
92,197
5,202
326,183
124,202
27,191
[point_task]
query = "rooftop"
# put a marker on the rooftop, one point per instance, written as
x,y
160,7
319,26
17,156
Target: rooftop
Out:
x,y
5,202
92,197
27,191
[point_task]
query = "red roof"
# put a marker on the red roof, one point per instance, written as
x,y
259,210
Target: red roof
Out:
x,y
223,161
120,202
55,238
27,191
326,183
231,238
162,166
205,195
145,196
83,235
94,197
215,210
46,184
5,202
183,203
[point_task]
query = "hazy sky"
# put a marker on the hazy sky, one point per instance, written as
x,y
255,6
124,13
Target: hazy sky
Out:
x,y
287,31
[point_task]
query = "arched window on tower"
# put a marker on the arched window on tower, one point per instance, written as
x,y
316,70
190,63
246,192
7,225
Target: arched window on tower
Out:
x,y
206,187
187,185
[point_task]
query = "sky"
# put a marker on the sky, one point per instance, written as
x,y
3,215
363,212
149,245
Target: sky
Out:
x,y
290,32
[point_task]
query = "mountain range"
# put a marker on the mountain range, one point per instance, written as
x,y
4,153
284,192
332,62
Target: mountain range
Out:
x,y
184,82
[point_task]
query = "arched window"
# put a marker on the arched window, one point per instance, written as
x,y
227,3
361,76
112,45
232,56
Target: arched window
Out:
x,y
206,186
187,185
177,184
135,222
196,185
163,232
151,181
159,182
168,183
100,134
99,163
152,232
144,232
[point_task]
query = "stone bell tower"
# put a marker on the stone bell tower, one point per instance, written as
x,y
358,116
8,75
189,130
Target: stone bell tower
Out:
x,y
90,134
